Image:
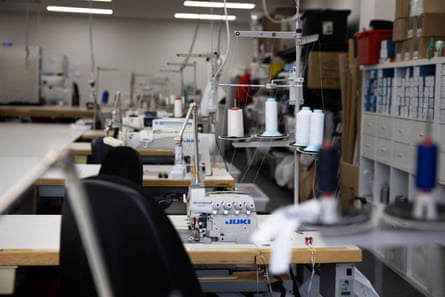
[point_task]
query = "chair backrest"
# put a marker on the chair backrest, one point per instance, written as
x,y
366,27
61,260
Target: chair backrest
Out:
x,y
123,161
99,150
143,252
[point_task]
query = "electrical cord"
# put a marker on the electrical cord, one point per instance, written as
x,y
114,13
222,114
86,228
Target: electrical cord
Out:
x,y
217,72
294,282
266,272
192,45
266,13
313,260
90,28
27,51
321,76
259,167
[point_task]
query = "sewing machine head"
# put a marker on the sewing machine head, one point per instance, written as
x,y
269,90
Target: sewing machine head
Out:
x,y
221,216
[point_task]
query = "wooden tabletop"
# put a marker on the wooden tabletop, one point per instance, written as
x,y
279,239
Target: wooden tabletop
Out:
x,y
44,111
91,134
84,149
34,240
219,178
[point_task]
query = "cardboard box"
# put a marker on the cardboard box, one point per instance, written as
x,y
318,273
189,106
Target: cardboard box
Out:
x,y
430,24
411,25
400,29
420,47
399,51
427,6
305,183
323,70
402,8
349,178
406,50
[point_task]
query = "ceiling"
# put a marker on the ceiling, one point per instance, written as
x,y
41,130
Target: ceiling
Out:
x,y
147,9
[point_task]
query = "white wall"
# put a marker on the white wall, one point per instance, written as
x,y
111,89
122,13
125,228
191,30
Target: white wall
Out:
x,y
131,45
376,9
145,46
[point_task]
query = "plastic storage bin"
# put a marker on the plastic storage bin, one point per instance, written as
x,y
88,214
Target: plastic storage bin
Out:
x,y
368,45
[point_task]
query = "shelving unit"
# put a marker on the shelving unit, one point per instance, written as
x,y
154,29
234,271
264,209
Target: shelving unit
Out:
x,y
401,104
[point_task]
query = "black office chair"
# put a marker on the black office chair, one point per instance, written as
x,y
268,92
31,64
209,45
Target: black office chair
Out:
x,y
125,162
99,151
143,252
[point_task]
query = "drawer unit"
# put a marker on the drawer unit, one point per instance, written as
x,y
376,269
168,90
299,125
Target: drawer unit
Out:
x,y
402,156
441,167
418,132
441,138
369,124
402,131
384,127
368,147
383,150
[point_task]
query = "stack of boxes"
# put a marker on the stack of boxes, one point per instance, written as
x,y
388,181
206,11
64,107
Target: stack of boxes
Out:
x,y
378,89
414,97
418,27
322,83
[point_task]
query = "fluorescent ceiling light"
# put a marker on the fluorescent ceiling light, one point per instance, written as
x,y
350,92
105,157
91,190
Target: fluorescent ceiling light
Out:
x,y
200,16
78,10
98,0
236,5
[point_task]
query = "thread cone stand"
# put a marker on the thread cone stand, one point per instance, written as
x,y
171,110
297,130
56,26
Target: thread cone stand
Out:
x,y
235,138
424,213
400,214
349,222
270,136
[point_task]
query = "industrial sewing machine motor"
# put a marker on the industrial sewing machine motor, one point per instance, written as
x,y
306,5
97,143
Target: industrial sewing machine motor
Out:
x,y
221,216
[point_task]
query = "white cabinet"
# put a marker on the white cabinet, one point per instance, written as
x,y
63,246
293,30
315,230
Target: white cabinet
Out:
x,y
402,103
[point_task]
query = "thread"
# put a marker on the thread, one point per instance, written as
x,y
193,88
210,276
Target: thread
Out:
x,y
316,130
177,113
235,125
303,124
426,165
271,118
328,168
293,88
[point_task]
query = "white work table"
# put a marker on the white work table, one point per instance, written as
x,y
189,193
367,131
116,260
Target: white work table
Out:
x,y
35,140
23,152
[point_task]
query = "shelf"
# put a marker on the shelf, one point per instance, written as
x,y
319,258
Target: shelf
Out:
x,y
402,64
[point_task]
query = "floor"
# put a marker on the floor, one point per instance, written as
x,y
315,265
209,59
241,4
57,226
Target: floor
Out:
x,y
260,171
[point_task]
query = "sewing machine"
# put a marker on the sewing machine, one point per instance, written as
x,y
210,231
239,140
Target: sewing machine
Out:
x,y
157,139
162,136
221,216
